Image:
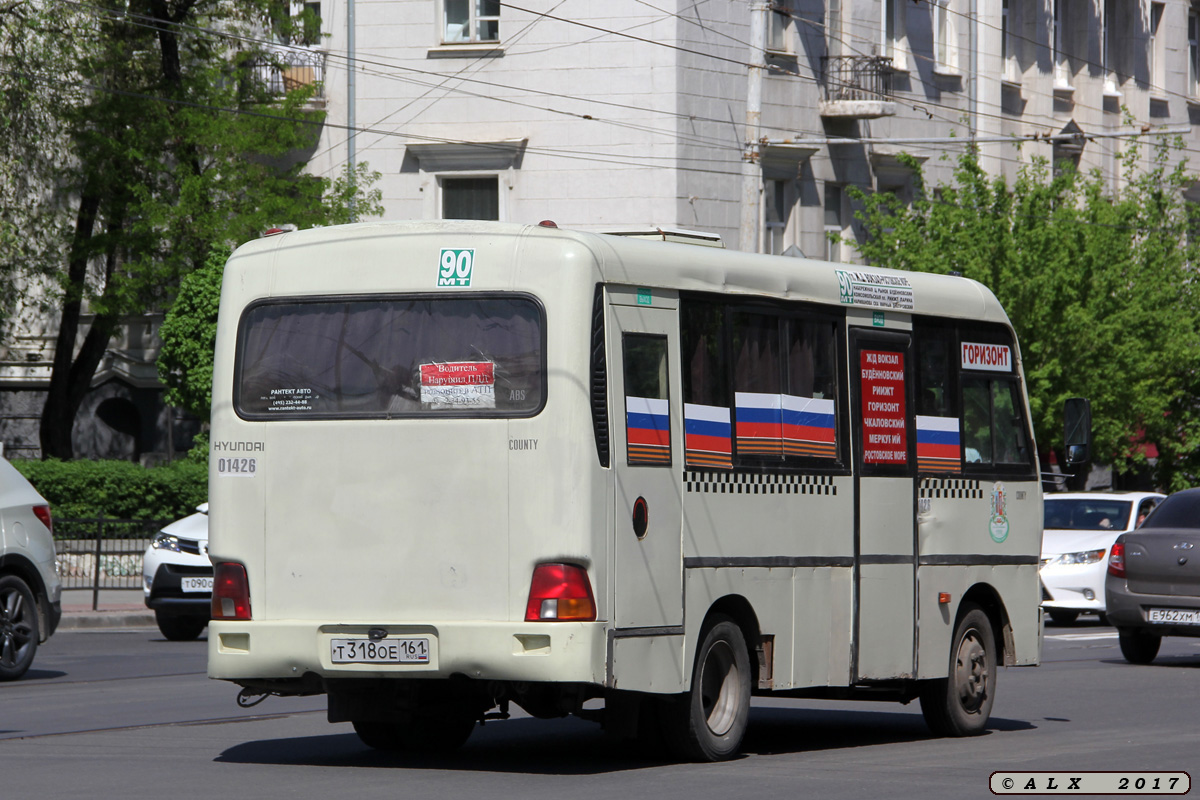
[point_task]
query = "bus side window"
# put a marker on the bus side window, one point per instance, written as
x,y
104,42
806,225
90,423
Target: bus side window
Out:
x,y
647,404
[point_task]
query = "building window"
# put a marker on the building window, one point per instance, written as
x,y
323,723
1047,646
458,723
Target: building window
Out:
x,y
779,199
1158,77
470,21
471,198
1108,45
1008,54
1193,31
833,222
894,34
779,19
1058,39
945,37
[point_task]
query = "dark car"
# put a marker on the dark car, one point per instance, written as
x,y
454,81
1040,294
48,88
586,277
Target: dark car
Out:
x,y
1152,588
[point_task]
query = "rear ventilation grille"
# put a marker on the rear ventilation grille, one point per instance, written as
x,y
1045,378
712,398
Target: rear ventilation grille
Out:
x,y
599,370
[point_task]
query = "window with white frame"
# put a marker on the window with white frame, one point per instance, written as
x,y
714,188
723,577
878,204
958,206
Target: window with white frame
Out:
x,y
894,35
1109,36
1008,54
1193,32
833,221
470,21
1158,65
1058,39
476,197
779,20
779,198
945,37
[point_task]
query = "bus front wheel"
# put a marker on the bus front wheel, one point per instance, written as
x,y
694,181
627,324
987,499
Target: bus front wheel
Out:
x,y
959,705
708,722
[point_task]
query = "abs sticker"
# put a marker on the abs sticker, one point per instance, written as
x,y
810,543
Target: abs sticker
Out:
x,y
455,267
998,523
235,467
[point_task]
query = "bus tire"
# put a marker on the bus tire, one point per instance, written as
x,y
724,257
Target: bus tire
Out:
x,y
959,705
441,732
708,722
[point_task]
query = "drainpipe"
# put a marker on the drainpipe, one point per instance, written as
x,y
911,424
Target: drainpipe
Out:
x,y
751,166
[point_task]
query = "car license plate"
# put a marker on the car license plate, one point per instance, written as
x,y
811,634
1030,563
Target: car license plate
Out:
x,y
190,585
1174,616
385,651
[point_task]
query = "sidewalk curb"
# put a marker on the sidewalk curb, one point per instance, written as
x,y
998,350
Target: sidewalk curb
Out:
x,y
106,619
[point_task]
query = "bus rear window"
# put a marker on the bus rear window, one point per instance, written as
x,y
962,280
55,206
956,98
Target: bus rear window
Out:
x,y
379,357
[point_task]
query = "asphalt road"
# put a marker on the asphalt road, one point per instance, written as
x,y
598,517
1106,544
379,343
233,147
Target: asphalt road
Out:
x,y
126,714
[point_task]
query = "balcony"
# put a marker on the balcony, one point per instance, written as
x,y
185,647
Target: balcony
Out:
x,y
856,87
289,70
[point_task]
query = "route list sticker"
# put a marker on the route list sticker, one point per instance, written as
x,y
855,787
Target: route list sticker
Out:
x,y
884,432
459,384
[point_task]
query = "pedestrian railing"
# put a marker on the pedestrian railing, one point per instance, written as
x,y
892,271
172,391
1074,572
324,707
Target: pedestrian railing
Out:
x,y
102,553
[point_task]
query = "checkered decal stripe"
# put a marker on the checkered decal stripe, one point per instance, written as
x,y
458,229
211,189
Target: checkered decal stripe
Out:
x,y
740,483
950,487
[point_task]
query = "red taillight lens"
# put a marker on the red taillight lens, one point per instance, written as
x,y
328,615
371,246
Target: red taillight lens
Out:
x,y
43,513
1116,560
560,592
231,592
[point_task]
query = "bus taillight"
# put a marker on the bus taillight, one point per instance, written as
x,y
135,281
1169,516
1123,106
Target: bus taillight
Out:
x,y
560,592
231,592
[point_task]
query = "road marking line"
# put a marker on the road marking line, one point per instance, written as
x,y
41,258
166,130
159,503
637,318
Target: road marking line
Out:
x,y
1082,637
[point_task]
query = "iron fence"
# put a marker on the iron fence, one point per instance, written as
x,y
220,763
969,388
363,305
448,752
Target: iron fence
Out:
x,y
102,553
857,78
291,70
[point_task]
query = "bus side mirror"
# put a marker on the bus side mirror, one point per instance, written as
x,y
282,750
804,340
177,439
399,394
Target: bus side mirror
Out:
x,y
1077,430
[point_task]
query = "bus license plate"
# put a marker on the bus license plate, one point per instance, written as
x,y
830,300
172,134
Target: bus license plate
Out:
x,y
1174,616
385,651
189,585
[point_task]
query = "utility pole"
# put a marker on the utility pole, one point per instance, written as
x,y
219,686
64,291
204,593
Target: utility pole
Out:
x,y
351,111
751,158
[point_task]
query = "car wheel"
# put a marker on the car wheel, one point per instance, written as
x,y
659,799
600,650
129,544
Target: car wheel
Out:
x,y
440,731
177,627
18,627
1064,617
708,723
959,705
1138,647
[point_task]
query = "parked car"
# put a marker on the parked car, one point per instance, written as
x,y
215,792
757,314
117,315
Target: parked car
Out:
x,y
30,589
177,577
1080,528
1153,585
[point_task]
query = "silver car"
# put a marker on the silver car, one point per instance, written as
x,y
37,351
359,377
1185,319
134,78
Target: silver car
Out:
x,y
30,590
1153,583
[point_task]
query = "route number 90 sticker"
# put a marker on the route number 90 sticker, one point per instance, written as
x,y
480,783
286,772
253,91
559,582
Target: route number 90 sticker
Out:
x,y
234,467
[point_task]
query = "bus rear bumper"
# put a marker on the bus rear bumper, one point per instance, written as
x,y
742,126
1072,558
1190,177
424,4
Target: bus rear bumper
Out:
x,y
556,652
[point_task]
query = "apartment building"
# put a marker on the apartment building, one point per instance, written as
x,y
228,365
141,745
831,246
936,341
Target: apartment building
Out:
x,y
633,114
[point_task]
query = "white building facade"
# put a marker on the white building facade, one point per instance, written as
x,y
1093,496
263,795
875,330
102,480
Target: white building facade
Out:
x,y
632,114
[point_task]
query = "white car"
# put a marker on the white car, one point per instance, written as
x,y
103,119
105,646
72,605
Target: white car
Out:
x,y
1080,528
30,589
177,577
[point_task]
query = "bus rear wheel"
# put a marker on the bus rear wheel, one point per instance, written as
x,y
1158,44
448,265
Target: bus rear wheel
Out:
x,y
708,722
960,704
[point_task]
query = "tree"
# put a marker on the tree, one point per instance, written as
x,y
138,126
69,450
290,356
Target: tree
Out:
x,y
189,338
1099,287
172,145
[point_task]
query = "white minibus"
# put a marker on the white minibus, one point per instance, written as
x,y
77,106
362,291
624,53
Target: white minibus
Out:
x,y
462,465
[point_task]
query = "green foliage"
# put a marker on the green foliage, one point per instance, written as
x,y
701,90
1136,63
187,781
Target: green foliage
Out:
x,y
133,138
189,337
1099,288
118,489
